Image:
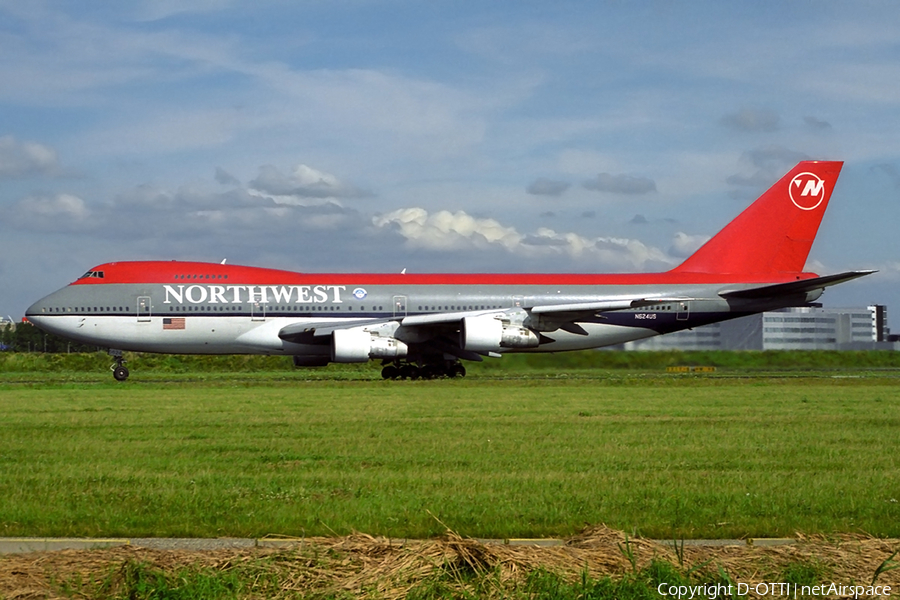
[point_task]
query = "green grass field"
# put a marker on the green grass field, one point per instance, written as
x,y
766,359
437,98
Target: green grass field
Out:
x,y
248,454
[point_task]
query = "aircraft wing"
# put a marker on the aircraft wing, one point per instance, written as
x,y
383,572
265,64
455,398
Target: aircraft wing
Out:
x,y
578,309
308,332
551,316
592,308
793,287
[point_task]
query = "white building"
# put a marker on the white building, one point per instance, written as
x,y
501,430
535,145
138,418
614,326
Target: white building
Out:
x,y
803,328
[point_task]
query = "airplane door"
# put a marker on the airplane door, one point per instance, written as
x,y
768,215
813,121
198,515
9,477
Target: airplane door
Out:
x,y
257,311
684,311
143,309
399,306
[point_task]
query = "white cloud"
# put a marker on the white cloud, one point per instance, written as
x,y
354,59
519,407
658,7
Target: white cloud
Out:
x,y
683,244
26,159
459,231
54,213
302,182
447,231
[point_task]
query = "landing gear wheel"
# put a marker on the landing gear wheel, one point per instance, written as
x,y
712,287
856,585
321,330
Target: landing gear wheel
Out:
x,y
431,372
409,372
456,370
118,369
435,369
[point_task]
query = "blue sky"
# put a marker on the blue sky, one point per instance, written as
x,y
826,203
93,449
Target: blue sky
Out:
x,y
437,136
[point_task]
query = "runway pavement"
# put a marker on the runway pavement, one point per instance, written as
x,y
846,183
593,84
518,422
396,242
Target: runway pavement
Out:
x,y
23,545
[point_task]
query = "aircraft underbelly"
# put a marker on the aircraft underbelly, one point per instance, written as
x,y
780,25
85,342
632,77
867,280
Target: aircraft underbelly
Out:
x,y
192,335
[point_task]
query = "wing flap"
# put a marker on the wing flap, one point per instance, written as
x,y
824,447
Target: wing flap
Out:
x,y
313,331
599,306
445,317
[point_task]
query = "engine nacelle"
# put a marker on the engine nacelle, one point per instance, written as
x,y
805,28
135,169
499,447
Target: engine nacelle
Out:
x,y
487,334
359,345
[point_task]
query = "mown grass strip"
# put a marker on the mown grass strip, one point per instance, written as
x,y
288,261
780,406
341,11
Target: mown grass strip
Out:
x,y
661,456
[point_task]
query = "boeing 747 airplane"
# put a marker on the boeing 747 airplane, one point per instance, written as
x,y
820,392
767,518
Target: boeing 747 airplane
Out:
x,y
425,325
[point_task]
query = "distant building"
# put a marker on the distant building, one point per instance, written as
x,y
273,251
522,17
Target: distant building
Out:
x,y
803,328
879,315
5,324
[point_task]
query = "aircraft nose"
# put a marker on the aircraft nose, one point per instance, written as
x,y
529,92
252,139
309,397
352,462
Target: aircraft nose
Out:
x,y
33,310
37,311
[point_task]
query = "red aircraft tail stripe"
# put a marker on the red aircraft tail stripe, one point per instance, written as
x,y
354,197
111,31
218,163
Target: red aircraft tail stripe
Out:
x,y
774,234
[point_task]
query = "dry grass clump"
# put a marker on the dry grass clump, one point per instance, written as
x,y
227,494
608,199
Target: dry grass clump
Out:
x,y
363,566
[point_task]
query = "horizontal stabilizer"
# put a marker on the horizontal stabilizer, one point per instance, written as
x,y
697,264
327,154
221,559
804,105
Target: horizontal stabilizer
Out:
x,y
794,287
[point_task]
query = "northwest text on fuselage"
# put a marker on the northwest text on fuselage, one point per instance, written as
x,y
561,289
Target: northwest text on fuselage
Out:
x,y
236,294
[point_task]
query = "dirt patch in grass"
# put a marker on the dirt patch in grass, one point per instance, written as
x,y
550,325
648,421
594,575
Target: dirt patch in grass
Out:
x,y
361,566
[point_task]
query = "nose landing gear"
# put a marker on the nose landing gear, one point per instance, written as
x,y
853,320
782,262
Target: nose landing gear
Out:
x,y
120,371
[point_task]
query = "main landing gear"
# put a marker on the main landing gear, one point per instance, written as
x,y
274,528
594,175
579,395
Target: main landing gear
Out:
x,y
120,371
408,370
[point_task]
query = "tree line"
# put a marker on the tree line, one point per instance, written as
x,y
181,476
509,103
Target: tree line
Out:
x,y
25,337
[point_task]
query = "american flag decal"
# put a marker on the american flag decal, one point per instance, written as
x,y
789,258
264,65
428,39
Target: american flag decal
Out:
x,y
173,323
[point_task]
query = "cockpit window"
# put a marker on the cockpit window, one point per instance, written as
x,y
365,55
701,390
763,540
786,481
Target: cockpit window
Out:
x,y
95,274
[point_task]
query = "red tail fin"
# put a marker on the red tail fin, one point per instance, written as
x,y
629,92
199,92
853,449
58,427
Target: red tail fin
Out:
x,y
774,234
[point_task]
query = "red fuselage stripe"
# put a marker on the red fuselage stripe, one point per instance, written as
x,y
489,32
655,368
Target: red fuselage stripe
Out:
x,y
161,272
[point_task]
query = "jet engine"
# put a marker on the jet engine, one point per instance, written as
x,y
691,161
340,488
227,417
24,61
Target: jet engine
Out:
x,y
359,345
488,334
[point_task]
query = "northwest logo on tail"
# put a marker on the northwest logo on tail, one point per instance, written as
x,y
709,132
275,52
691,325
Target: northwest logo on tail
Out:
x,y
807,191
